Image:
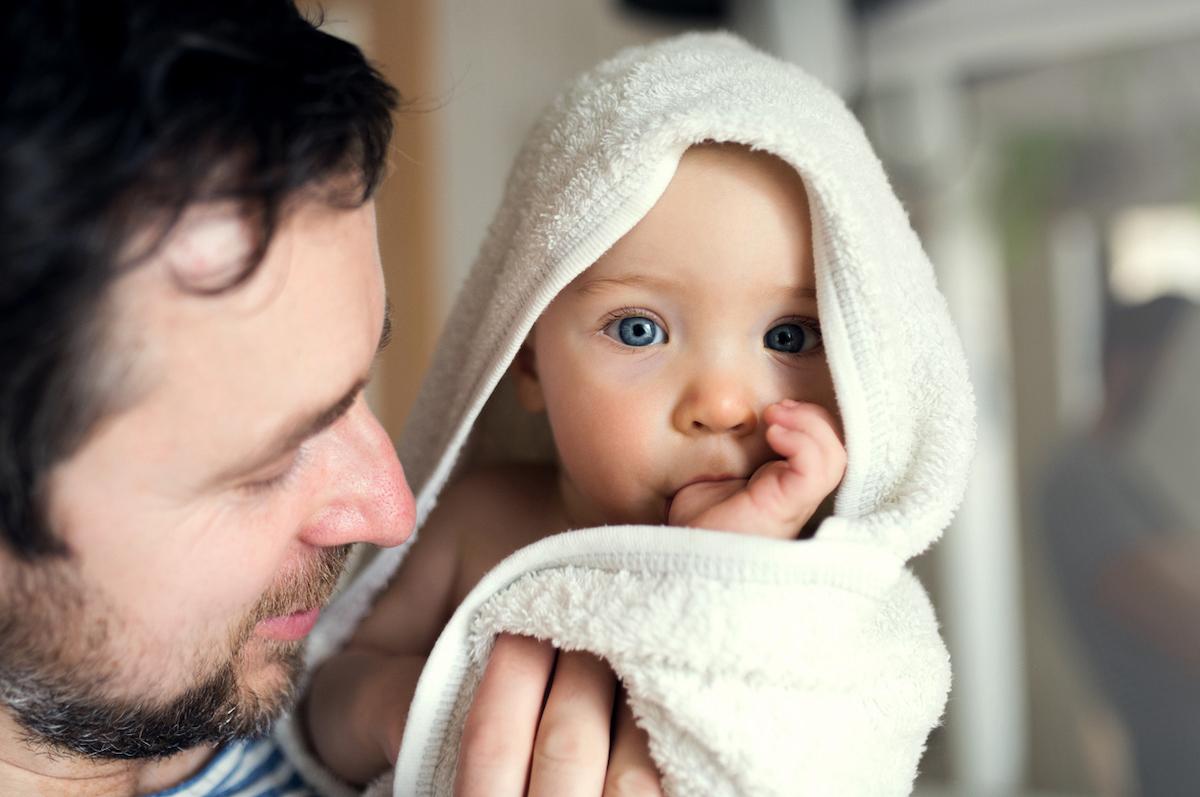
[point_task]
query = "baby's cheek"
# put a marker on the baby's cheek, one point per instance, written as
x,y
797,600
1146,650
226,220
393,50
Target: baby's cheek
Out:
x,y
614,471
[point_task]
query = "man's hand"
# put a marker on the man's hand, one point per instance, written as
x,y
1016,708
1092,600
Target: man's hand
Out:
x,y
781,496
541,725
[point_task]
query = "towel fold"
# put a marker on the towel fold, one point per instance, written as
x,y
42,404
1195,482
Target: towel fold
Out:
x,y
756,666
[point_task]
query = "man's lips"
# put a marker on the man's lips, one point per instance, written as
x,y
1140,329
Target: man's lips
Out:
x,y
288,627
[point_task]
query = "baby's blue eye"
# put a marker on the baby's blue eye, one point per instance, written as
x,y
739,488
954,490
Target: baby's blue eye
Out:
x,y
639,331
791,338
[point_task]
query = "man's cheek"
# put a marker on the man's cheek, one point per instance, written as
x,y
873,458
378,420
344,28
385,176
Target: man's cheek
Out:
x,y
217,584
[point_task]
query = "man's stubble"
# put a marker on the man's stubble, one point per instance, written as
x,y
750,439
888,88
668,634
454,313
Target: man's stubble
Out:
x,y
63,683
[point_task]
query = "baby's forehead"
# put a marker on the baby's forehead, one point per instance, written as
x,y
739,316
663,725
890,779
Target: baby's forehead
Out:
x,y
721,293
729,220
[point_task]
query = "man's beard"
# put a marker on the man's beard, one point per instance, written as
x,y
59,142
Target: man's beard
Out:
x,y
57,674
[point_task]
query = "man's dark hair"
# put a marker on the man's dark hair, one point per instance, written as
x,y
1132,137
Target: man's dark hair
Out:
x,y
114,118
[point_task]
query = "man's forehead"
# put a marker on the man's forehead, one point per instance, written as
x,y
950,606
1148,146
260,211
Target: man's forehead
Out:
x,y
295,336
211,245
208,272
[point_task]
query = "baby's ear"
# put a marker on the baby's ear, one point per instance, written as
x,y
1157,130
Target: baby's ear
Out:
x,y
529,387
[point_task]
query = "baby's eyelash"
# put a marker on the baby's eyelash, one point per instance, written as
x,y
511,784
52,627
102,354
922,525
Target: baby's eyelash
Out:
x,y
627,312
800,320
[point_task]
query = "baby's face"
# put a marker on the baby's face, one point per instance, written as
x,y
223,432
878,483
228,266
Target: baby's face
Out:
x,y
655,365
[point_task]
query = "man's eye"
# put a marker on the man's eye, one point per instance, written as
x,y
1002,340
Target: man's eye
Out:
x,y
266,485
637,331
792,338
276,480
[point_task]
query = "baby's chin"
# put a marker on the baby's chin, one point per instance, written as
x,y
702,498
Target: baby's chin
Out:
x,y
647,511
654,509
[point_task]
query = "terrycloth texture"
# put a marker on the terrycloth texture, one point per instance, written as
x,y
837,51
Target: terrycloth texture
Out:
x,y
757,666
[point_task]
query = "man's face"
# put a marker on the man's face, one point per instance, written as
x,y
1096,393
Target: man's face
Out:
x,y
656,363
207,518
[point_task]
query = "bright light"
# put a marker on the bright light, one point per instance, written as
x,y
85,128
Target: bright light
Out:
x,y
1155,250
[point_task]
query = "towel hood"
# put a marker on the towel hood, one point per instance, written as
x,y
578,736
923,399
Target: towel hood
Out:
x,y
597,161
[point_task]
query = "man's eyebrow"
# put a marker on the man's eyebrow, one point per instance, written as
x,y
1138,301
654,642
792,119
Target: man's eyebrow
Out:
x,y
315,424
385,336
297,431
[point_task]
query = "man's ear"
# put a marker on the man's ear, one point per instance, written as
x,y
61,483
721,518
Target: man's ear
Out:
x,y
529,387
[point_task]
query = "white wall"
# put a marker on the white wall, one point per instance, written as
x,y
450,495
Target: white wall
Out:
x,y
501,62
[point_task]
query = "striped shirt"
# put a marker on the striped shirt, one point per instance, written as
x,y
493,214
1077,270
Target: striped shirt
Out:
x,y
245,768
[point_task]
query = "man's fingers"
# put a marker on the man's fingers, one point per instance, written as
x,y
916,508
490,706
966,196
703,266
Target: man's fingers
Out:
x,y
631,770
571,751
499,731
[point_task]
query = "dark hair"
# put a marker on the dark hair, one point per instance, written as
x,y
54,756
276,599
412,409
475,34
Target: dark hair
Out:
x,y
114,118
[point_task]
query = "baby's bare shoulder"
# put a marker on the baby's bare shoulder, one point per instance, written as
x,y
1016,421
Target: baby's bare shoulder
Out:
x,y
500,494
496,510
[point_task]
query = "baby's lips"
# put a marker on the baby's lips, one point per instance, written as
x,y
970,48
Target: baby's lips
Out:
x,y
698,495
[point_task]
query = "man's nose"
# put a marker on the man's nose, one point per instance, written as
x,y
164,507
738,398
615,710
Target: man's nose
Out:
x,y
363,496
715,403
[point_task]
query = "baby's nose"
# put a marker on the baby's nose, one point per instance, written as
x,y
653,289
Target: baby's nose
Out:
x,y
716,406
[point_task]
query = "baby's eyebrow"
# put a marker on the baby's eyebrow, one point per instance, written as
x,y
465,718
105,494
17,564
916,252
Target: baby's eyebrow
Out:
x,y
596,285
601,284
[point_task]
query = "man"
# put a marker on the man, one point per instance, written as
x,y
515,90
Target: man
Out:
x,y
190,303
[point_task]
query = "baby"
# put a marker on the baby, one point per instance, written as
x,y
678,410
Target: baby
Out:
x,y
648,292
685,383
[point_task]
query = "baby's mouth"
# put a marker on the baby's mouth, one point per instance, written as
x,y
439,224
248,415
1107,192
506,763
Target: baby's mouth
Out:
x,y
704,479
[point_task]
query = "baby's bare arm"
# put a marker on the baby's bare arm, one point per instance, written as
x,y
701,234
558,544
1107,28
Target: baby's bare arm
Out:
x,y
358,700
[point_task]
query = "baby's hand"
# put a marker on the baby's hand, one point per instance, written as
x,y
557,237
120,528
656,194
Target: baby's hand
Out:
x,y
783,494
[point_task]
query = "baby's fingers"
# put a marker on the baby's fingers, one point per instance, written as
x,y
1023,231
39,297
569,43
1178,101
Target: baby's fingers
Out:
x,y
806,456
802,416
807,437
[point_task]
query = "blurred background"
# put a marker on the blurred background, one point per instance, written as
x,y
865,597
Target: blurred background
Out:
x,y
1048,152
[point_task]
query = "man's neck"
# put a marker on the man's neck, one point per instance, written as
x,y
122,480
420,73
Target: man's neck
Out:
x,y
29,770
